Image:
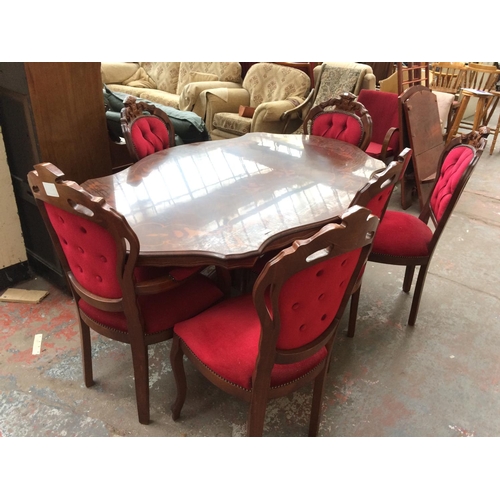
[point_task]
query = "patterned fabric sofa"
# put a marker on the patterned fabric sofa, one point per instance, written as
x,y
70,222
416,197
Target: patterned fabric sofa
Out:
x,y
268,91
174,84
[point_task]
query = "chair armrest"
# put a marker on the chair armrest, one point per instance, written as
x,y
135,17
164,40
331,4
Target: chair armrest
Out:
x,y
290,116
223,101
273,111
189,99
387,140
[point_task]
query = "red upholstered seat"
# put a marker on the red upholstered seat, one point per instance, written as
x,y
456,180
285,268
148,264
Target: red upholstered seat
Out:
x,y
226,339
403,239
384,112
412,240
116,298
267,344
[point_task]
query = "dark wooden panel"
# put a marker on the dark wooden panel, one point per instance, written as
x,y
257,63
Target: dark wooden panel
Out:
x,y
68,110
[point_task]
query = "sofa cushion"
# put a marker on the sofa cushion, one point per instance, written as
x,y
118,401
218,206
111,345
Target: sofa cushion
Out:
x,y
225,72
140,79
232,123
160,97
125,89
196,76
165,74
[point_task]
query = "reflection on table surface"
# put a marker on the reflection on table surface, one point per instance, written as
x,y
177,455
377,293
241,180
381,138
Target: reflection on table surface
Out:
x,y
230,198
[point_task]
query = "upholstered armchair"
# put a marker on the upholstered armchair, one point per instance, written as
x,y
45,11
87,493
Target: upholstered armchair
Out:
x,y
268,91
330,80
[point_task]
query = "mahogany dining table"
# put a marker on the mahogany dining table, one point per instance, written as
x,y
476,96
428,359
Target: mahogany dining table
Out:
x,y
226,202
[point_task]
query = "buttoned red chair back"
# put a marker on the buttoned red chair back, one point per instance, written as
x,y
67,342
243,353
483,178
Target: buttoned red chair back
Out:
x,y
149,135
383,108
451,181
341,118
98,251
375,195
270,343
146,128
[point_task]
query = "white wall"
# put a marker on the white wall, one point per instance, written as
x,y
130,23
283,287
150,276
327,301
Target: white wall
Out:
x,y
12,249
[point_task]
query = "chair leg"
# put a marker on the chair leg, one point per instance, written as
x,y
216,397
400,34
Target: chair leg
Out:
x,y
407,281
353,312
141,376
256,415
319,385
86,354
417,294
177,363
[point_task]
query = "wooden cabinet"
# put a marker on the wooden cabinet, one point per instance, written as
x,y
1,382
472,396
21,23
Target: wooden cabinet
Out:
x,y
51,112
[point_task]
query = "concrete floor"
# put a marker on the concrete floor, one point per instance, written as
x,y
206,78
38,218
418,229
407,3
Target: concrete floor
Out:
x,y
439,378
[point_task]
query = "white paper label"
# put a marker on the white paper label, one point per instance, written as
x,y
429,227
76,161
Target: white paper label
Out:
x,y
50,189
37,343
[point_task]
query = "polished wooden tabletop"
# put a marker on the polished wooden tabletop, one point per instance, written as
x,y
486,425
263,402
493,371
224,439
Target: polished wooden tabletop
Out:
x,y
224,202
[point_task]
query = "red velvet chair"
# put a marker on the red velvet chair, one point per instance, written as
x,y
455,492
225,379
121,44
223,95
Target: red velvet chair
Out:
x,y
269,343
383,108
375,196
98,251
341,118
148,133
405,240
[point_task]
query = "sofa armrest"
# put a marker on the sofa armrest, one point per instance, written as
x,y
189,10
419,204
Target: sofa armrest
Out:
x,y
223,100
272,111
190,96
293,116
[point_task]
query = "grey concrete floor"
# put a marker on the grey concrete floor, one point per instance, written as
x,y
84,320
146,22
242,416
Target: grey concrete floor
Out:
x,y
439,378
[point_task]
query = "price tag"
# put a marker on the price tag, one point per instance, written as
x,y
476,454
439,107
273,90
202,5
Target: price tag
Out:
x,y
50,189
37,343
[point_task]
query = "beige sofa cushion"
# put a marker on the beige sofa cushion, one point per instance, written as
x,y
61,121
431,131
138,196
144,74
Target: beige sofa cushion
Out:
x,y
232,123
126,89
225,72
196,76
140,79
161,97
165,74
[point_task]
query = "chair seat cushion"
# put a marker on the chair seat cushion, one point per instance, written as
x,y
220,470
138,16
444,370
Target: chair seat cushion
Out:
x,y
226,339
402,234
374,150
161,311
232,123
